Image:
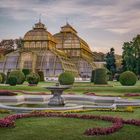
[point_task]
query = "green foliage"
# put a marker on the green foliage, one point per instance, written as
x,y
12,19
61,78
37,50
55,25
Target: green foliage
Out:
x,y
111,61
92,76
131,55
0,79
19,75
41,74
33,78
12,80
26,72
100,76
7,77
3,77
66,78
128,78
117,76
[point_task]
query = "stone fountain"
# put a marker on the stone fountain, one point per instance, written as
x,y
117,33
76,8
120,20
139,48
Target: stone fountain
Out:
x,y
57,91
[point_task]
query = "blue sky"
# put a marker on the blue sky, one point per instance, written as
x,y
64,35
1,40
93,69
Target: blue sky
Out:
x,y
101,23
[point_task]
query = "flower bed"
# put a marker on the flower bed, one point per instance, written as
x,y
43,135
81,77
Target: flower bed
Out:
x,y
125,95
118,123
7,93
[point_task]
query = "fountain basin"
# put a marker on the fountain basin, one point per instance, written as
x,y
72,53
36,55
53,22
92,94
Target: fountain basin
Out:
x,y
57,91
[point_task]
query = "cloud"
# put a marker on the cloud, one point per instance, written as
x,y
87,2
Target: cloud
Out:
x,y
116,18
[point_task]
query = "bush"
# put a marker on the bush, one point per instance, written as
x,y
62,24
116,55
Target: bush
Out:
x,y
128,78
12,80
26,72
19,75
3,77
109,75
7,77
117,76
0,79
100,76
33,78
66,78
92,76
41,74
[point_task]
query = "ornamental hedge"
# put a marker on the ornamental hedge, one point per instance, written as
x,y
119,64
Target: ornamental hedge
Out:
x,y
100,76
33,78
19,75
66,78
0,79
26,71
41,75
12,80
128,78
3,77
92,76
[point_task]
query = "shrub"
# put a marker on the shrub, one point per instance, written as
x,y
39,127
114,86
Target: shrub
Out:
x,y
41,74
33,78
7,77
100,76
12,80
117,76
66,78
0,79
26,72
129,109
3,77
19,75
92,76
109,75
128,78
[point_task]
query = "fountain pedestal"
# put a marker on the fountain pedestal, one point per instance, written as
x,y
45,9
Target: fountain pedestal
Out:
x,y
57,99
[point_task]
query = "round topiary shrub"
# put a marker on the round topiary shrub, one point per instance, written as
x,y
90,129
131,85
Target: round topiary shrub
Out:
x,y
3,77
100,76
12,80
41,74
0,79
19,75
66,78
33,78
92,76
128,78
26,71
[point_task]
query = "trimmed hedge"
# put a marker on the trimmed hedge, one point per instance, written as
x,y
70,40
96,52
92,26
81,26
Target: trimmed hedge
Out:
x,y
0,79
41,74
12,80
7,77
66,78
33,78
92,76
26,72
3,77
19,75
100,76
128,78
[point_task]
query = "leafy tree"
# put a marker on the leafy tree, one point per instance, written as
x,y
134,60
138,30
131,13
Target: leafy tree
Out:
x,y
110,61
131,55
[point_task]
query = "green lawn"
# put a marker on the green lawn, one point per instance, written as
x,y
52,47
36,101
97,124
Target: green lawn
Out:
x,y
72,129
68,128
114,88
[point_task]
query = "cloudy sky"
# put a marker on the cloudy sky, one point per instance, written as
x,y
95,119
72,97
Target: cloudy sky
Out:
x,y
101,23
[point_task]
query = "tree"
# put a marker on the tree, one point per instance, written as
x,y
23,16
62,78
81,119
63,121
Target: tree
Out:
x,y
110,61
131,55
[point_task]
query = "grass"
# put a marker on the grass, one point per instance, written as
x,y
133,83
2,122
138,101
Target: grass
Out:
x,y
114,88
68,128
